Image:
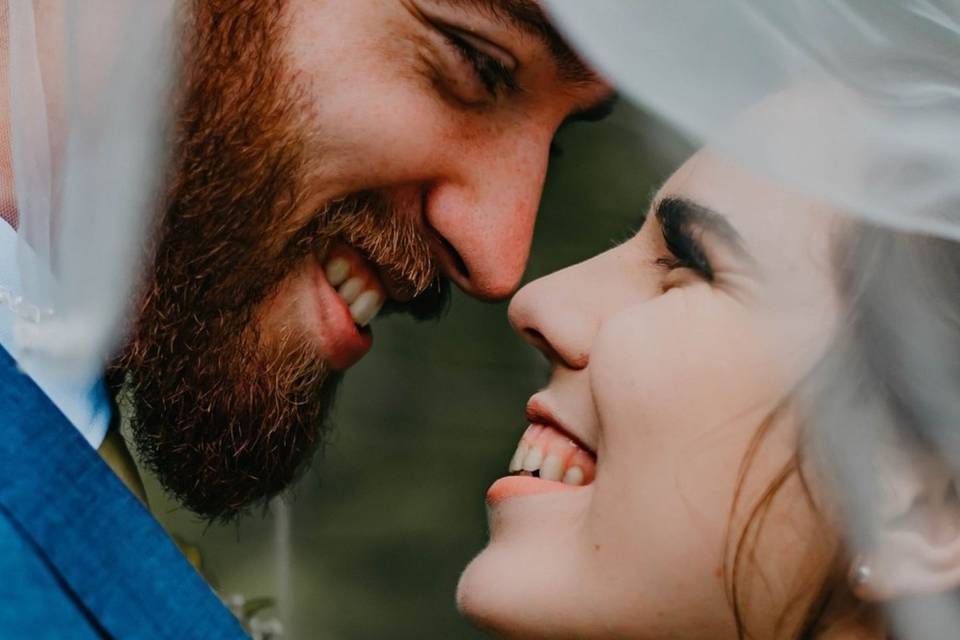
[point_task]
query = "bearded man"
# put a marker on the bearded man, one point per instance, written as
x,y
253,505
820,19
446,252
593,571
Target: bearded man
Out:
x,y
329,160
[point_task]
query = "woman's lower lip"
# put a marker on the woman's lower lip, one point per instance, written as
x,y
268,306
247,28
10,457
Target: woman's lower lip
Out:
x,y
516,486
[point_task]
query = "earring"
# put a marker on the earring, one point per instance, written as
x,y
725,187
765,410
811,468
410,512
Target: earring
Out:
x,y
860,573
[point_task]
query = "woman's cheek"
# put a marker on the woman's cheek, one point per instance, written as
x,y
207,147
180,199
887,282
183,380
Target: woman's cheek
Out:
x,y
687,359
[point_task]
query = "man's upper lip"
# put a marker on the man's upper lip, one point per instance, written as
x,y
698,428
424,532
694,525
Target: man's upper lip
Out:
x,y
396,289
539,413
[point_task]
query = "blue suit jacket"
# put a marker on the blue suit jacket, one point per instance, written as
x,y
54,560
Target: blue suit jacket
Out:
x,y
80,557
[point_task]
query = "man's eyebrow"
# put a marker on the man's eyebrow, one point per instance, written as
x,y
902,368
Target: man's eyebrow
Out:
x,y
527,17
689,216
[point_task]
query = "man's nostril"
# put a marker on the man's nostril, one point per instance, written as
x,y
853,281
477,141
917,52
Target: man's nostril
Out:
x,y
458,262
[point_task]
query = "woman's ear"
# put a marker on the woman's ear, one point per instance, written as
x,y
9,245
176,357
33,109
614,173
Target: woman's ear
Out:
x,y
917,548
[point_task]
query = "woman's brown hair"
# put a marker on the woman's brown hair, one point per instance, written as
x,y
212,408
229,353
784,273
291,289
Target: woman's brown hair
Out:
x,y
900,324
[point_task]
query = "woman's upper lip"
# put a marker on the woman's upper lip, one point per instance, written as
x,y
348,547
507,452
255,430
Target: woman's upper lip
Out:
x,y
539,413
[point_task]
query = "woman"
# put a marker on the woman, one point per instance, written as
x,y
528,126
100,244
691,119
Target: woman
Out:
x,y
748,430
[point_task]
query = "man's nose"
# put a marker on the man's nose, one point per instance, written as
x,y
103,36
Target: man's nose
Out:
x,y
486,215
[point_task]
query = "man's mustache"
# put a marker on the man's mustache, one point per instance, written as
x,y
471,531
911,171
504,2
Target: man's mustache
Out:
x,y
431,304
391,239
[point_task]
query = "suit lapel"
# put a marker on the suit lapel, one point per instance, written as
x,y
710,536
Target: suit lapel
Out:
x,y
106,547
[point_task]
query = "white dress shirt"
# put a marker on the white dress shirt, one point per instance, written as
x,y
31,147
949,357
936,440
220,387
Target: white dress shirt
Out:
x,y
86,405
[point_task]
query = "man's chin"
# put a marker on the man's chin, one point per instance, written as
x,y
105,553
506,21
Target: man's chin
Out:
x,y
224,443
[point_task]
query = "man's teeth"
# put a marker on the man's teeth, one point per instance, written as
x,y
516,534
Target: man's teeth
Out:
x,y
351,289
552,455
337,271
358,291
365,307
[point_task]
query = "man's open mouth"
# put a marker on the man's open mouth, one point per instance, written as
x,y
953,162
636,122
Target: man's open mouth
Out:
x,y
350,294
549,453
355,281
353,290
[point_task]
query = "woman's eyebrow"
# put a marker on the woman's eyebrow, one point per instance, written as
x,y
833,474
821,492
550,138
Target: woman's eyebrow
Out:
x,y
681,213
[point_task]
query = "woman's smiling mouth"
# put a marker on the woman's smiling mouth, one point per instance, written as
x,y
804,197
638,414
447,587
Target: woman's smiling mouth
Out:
x,y
550,454
547,459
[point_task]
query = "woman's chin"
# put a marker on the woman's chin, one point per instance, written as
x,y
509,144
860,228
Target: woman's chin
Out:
x,y
488,596
528,581
499,593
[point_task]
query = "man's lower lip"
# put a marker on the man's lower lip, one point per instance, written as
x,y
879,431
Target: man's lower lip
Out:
x,y
516,486
344,342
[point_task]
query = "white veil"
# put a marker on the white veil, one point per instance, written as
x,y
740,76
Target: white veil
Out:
x,y
871,126
700,65
86,87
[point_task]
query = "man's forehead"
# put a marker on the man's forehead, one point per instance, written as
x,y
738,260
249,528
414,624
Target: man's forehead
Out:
x,y
528,17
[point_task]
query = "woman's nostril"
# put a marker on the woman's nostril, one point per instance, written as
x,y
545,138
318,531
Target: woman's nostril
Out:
x,y
557,355
540,342
535,336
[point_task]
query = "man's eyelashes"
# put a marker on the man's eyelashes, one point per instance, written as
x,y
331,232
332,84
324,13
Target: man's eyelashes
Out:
x,y
496,78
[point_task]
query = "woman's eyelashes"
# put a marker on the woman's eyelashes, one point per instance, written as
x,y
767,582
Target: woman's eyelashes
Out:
x,y
684,244
493,75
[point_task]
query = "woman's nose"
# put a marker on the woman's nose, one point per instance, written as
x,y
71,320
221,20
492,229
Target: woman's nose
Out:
x,y
553,315
562,313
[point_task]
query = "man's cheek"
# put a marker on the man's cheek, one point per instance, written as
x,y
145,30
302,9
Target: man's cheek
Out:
x,y
360,144
287,310
385,123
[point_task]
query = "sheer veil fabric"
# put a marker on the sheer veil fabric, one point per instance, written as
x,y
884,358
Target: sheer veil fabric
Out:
x,y
855,104
882,80
86,88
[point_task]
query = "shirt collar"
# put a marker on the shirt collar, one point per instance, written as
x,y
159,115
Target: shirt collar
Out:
x,y
84,403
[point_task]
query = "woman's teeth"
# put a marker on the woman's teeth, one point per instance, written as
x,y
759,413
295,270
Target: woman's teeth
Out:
x,y
553,456
360,291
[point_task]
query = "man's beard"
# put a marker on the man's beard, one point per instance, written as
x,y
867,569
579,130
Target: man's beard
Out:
x,y
225,411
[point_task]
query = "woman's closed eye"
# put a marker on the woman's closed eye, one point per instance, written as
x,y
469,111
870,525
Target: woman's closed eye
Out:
x,y
685,252
698,243
683,240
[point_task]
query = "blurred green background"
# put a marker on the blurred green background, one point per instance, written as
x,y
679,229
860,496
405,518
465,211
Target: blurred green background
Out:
x,y
376,535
